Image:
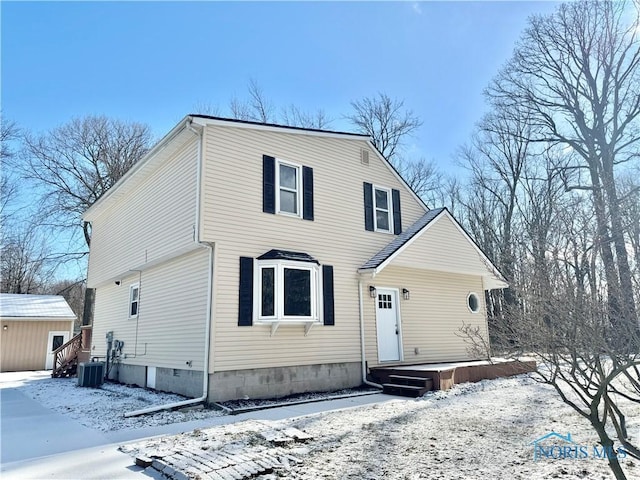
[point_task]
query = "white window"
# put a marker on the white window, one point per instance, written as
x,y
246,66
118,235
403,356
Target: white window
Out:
x,y
473,303
289,188
134,300
383,219
287,291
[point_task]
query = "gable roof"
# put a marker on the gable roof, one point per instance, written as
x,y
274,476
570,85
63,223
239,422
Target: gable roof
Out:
x,y
183,132
35,306
399,244
383,255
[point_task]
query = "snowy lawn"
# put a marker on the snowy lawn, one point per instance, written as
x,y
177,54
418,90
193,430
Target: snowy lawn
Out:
x,y
101,408
481,430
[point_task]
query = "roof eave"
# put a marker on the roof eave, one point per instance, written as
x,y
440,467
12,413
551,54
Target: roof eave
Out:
x,y
368,271
39,319
205,120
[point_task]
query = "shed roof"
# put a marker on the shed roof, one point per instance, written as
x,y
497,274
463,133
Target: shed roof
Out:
x,y
288,255
35,306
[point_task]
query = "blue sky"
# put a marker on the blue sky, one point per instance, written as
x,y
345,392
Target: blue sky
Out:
x,y
154,62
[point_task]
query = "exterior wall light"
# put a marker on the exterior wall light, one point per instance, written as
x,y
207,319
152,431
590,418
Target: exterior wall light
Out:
x,y
372,291
406,294
5,328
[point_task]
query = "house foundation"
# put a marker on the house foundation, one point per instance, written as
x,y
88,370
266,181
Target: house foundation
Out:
x,y
277,382
180,381
258,383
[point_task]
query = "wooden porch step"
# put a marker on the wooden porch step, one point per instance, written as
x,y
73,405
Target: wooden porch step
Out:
x,y
404,390
412,380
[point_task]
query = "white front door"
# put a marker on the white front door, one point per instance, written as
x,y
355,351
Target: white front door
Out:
x,y
56,340
388,325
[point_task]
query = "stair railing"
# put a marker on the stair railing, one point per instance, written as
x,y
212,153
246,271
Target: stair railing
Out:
x,y
65,354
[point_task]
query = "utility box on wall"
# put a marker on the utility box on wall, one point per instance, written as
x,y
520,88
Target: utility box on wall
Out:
x,y
90,374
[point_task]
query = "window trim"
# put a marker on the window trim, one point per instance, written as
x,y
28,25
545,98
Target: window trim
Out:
x,y
474,294
389,209
298,190
132,287
279,316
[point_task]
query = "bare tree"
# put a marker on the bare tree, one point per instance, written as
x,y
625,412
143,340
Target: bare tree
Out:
x,y
448,194
296,117
75,164
25,266
574,84
423,177
73,292
577,74
9,133
630,207
207,108
257,107
385,120
597,378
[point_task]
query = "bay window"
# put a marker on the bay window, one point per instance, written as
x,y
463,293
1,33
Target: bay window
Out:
x,y
287,291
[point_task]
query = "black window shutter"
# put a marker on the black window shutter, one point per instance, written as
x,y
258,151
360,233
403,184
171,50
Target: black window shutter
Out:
x,y
397,216
327,295
307,195
268,184
245,296
368,206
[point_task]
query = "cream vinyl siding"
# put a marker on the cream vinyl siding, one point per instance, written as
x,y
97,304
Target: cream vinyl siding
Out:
x,y
24,343
152,222
442,247
233,218
431,319
171,316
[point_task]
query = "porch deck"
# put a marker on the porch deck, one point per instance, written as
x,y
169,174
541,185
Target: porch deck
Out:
x,y
445,375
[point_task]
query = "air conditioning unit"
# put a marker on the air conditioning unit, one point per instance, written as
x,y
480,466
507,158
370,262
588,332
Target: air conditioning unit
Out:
x,y
91,374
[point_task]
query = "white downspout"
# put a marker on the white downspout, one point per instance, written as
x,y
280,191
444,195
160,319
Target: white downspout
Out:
x,y
362,345
208,316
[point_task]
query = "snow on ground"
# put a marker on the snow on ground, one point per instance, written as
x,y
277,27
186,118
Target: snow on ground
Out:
x,y
100,408
481,430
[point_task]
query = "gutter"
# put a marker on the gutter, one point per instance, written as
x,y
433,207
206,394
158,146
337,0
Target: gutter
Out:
x,y
362,346
209,315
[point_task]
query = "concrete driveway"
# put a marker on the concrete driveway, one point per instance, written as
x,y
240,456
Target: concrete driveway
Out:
x,y
38,443
30,430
